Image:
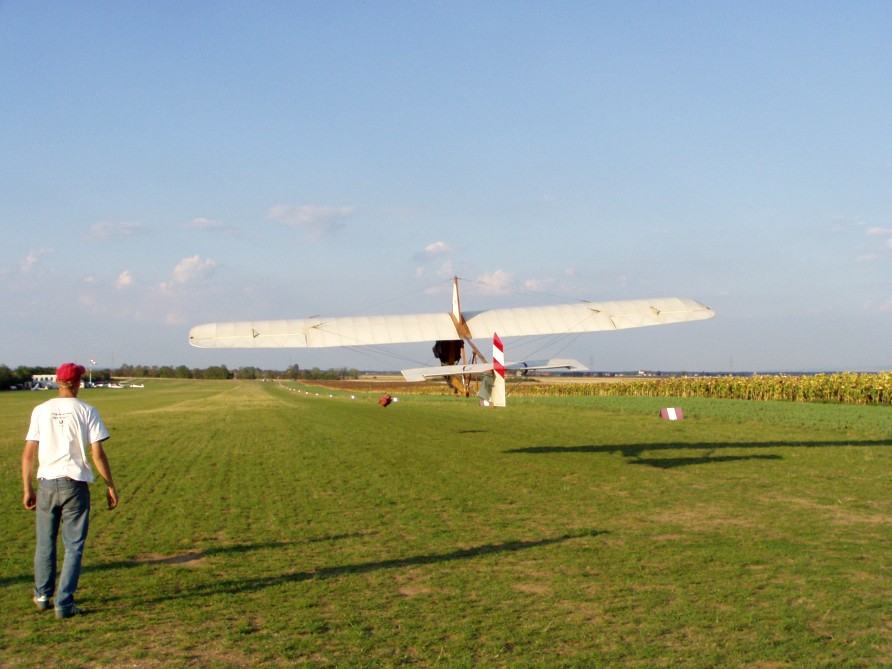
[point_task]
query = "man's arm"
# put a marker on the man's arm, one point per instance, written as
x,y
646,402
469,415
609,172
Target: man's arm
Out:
x,y
100,459
29,497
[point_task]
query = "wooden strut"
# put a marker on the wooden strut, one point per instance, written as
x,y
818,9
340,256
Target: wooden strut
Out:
x,y
462,384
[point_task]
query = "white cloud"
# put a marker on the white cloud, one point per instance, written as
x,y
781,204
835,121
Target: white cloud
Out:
x,y
876,252
434,250
202,223
124,279
29,261
501,282
446,270
316,221
432,253
537,285
194,268
108,230
877,231
496,283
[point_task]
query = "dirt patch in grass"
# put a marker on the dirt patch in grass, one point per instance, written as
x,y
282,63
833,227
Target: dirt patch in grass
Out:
x,y
840,513
700,518
191,559
414,590
531,588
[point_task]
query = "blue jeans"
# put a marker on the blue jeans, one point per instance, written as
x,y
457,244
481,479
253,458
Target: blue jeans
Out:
x,y
60,503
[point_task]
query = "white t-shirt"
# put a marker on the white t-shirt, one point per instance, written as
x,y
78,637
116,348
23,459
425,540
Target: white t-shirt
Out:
x,y
64,427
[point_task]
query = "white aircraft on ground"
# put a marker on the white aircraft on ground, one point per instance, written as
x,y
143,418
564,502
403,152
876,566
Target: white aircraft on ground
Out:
x,y
451,330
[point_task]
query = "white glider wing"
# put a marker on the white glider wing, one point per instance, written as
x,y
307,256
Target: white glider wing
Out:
x,y
324,332
427,373
586,317
401,329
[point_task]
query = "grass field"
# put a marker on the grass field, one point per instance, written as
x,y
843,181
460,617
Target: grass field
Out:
x,y
263,526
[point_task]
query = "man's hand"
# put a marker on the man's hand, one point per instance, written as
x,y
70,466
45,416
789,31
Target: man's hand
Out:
x,y
112,495
100,459
29,497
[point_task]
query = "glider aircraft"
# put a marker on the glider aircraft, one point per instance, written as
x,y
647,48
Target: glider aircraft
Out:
x,y
452,330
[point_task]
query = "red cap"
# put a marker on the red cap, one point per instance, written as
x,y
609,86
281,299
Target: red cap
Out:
x,y
70,372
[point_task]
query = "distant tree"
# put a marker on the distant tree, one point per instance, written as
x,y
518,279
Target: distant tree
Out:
x,y
101,376
217,372
22,374
7,378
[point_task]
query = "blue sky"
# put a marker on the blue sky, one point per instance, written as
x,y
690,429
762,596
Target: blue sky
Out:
x,y
166,164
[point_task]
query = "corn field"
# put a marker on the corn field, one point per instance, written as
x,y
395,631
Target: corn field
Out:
x,y
844,388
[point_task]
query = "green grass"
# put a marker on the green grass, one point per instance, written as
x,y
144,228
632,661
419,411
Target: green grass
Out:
x,y
263,526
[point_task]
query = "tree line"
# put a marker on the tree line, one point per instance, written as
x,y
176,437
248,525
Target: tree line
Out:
x,y
21,376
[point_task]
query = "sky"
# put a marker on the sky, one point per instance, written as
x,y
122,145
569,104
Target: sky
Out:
x,y
170,163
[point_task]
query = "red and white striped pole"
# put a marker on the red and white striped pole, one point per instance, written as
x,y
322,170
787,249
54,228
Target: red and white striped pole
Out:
x,y
498,368
498,355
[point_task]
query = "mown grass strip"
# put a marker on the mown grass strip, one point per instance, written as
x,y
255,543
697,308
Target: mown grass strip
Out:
x,y
263,526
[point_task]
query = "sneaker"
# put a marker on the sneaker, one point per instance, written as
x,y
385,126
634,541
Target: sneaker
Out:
x,y
69,612
42,602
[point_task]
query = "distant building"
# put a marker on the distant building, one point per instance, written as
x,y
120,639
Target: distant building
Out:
x,y
39,381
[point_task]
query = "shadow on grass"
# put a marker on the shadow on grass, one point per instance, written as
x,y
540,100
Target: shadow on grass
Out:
x,y
254,584
634,451
672,463
185,558
235,586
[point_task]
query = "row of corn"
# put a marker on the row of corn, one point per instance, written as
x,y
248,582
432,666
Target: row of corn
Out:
x,y
846,388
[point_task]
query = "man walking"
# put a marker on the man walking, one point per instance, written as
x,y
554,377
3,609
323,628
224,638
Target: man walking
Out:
x,y
61,430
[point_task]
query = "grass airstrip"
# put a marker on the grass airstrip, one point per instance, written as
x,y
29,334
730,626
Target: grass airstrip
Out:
x,y
263,526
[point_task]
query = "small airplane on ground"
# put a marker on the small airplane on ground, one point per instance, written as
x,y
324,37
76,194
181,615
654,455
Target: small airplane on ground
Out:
x,y
452,330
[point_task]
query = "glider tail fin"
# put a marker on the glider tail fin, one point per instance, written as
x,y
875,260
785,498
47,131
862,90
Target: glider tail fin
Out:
x,y
492,391
456,304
